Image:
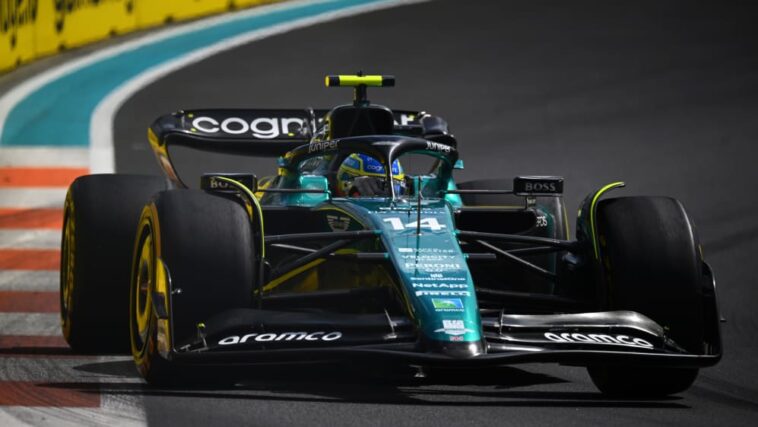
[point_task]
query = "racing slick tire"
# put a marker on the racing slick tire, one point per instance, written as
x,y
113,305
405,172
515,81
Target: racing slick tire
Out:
x,y
100,216
194,257
653,266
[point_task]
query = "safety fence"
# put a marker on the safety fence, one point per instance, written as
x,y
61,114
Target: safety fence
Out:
x,y
30,29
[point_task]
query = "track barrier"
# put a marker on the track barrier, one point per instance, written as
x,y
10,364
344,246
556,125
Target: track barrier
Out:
x,y
30,29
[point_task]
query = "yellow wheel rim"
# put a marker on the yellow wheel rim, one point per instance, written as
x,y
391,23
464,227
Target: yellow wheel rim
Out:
x,y
144,287
68,257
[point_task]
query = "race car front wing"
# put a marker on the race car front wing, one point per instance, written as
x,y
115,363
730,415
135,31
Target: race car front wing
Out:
x,y
250,337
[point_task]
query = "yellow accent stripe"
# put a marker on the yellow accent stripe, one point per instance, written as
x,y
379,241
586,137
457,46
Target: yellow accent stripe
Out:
x,y
266,184
152,137
257,204
283,278
566,223
593,214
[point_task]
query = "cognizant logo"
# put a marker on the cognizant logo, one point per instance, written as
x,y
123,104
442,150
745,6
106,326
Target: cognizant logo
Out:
x,y
262,127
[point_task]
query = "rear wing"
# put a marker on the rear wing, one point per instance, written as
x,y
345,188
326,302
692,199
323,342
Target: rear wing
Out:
x,y
252,132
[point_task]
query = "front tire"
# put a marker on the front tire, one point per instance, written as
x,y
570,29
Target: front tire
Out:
x,y
205,243
653,266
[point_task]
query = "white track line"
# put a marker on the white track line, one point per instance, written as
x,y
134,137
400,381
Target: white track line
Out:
x,y
118,408
105,415
37,369
38,324
101,124
44,157
30,239
23,90
35,197
28,280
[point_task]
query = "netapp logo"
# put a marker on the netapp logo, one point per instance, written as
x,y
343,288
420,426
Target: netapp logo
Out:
x,y
284,336
539,187
598,339
262,127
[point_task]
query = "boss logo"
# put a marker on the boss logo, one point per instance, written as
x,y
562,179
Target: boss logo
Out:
x,y
215,182
540,187
524,185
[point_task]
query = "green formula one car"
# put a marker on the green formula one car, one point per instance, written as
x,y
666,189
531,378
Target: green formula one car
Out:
x,y
347,253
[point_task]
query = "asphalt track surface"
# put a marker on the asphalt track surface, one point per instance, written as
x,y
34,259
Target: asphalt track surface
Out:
x,y
661,95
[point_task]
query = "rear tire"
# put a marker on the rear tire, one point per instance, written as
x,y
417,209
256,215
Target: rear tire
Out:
x,y
206,244
100,215
653,266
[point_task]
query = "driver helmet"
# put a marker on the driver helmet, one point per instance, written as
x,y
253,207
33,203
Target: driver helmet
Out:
x,y
357,165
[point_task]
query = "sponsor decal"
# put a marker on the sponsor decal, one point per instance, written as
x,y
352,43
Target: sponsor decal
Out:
x,y
540,187
16,14
434,277
284,336
338,223
541,221
436,146
215,183
436,293
523,185
426,250
432,223
432,266
447,304
453,327
429,257
406,119
576,338
441,285
261,127
321,146
64,8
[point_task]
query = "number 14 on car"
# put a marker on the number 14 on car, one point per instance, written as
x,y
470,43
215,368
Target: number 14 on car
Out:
x,y
429,223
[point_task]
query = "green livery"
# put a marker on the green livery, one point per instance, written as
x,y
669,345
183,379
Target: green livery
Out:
x,y
391,258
